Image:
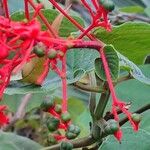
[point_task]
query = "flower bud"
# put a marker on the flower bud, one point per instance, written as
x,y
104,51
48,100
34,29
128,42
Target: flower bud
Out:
x,y
108,4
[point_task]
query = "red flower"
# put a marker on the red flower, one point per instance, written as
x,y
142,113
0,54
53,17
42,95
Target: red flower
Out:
x,y
3,118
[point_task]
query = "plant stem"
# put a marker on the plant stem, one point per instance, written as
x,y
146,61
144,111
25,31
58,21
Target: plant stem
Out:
x,y
101,105
124,78
64,85
81,142
27,15
88,88
20,112
92,101
43,19
5,5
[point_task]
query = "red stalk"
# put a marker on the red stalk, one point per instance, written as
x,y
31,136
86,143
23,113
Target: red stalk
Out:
x,y
27,14
108,76
5,4
73,21
64,86
44,20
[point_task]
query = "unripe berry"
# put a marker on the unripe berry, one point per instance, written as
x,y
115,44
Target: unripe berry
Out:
x,y
111,127
51,140
66,146
52,53
108,4
74,129
39,50
46,105
58,108
70,135
136,117
52,124
66,117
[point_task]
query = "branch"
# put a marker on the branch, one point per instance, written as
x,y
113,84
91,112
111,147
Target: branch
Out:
x,y
139,111
20,112
81,142
88,88
124,78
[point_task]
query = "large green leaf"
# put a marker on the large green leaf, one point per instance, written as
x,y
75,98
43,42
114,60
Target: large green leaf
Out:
x,y
122,3
66,27
130,141
130,39
113,63
132,9
10,141
134,70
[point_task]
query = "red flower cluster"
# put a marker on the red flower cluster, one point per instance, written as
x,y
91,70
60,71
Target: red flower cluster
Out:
x,y
21,41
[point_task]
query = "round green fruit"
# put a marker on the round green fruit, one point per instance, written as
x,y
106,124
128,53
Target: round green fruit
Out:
x,y
111,127
51,140
74,129
58,108
52,53
52,124
66,117
66,146
39,51
136,117
108,4
46,105
70,135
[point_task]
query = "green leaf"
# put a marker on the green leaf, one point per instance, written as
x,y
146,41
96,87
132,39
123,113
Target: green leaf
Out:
x,y
113,63
10,141
122,3
66,27
132,9
130,39
147,11
131,141
133,69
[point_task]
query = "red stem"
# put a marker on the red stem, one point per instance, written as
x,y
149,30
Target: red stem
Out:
x,y
64,86
86,31
27,14
44,20
73,21
5,5
88,7
108,76
95,3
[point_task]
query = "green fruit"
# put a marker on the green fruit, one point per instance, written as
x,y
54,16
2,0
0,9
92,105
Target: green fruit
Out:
x,y
39,51
52,124
66,117
70,135
51,140
46,105
108,4
111,127
107,130
136,117
66,146
58,108
74,129
52,53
